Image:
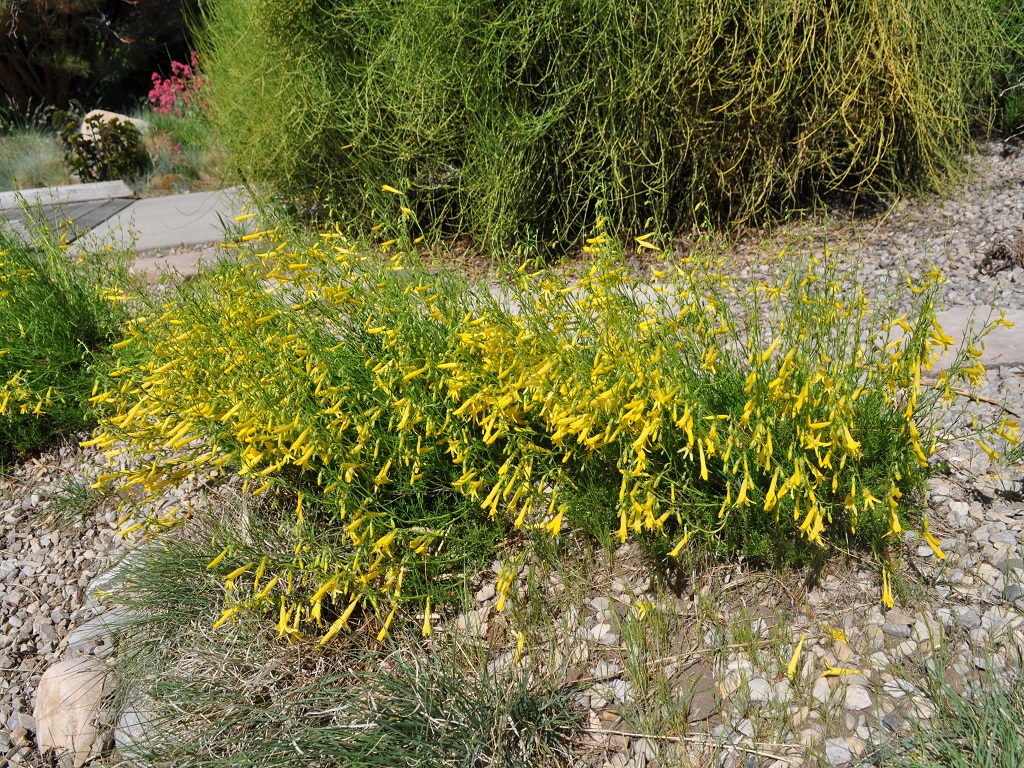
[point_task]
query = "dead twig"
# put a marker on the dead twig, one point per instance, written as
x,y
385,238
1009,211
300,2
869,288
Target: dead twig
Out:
x,y
703,740
972,396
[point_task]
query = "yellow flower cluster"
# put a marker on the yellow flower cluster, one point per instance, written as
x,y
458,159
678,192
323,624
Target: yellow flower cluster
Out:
x,y
724,411
14,392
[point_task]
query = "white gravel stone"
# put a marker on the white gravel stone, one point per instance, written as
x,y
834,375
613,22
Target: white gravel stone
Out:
x,y
760,690
837,752
486,593
821,691
857,697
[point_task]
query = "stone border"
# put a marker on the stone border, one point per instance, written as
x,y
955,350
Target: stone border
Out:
x,y
75,193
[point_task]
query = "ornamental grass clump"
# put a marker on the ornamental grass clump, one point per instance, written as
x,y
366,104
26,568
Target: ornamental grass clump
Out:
x,y
403,417
979,727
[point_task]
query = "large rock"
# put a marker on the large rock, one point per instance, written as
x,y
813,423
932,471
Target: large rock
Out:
x,y
68,708
87,131
857,697
837,752
697,684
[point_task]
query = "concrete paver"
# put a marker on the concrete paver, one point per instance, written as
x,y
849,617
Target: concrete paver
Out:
x,y
181,262
1003,346
84,205
72,193
83,215
168,222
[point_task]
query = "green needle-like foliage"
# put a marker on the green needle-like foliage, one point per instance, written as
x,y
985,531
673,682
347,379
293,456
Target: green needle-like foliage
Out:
x,y
506,119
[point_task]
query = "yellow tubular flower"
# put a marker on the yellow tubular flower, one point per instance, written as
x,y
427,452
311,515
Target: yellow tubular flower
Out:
x,y
771,499
556,523
741,497
217,560
837,634
794,662
266,589
282,622
931,541
229,580
831,671
387,624
682,543
520,642
426,620
895,528
887,599
382,476
226,616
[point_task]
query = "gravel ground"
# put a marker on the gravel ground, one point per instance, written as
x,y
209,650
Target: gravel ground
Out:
x,y
975,236
59,542
972,600
45,571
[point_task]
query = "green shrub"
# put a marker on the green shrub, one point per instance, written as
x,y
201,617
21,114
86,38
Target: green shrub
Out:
x,y
512,118
54,327
189,133
105,150
1012,95
185,152
447,705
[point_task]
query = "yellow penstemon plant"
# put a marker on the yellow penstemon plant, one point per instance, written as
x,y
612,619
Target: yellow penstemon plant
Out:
x,y
729,410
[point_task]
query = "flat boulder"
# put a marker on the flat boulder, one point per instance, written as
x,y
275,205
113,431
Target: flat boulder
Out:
x,y
102,115
67,709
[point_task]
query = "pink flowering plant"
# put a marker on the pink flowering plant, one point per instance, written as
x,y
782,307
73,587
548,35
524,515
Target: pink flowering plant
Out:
x,y
181,94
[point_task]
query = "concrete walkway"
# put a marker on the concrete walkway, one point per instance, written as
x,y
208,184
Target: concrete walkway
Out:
x,y
169,222
189,226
